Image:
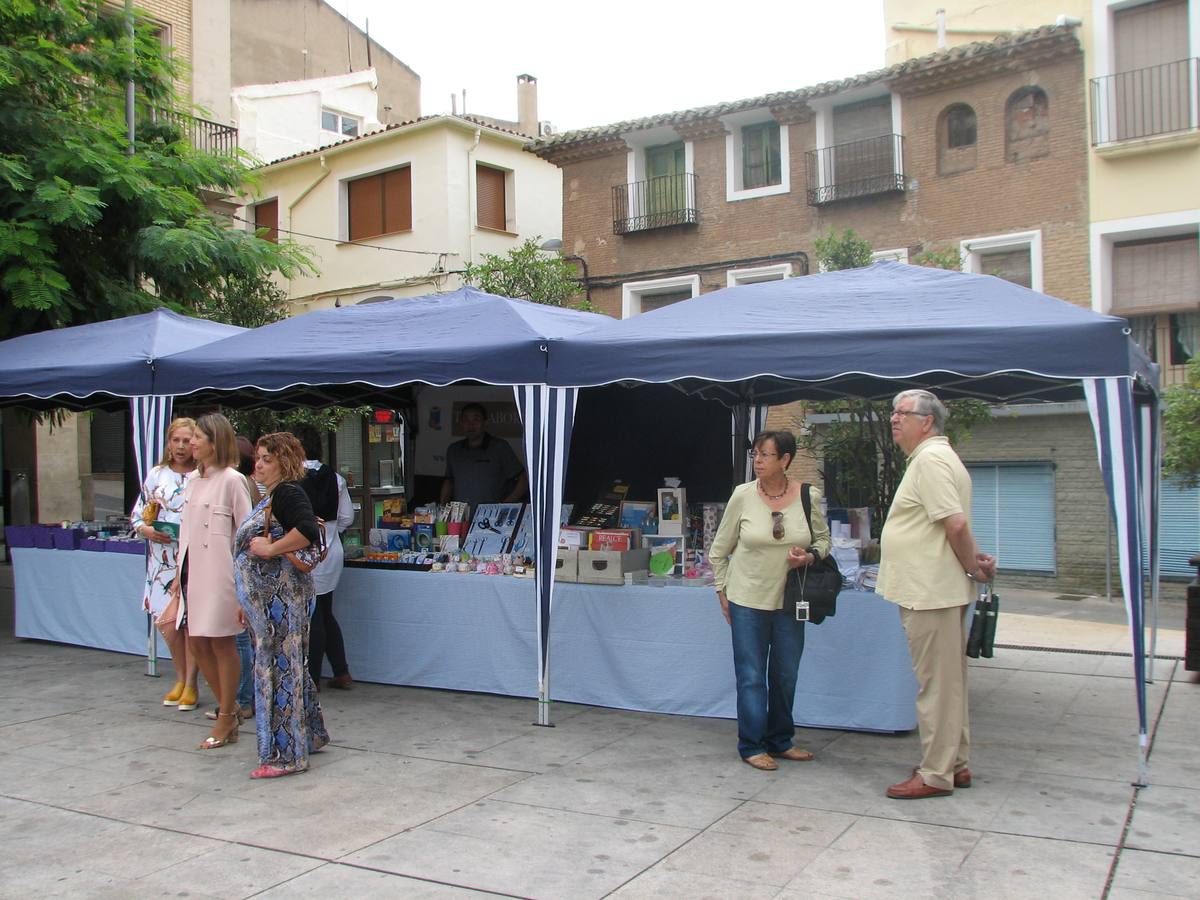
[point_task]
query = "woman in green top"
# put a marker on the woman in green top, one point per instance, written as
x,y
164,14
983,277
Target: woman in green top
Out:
x,y
763,534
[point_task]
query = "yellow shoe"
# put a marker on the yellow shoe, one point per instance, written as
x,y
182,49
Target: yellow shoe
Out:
x,y
172,696
188,699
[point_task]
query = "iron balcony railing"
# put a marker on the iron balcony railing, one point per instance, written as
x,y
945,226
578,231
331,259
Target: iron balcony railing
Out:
x,y
857,169
656,203
1145,102
205,135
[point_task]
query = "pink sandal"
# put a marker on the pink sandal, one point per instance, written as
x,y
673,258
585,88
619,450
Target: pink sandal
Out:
x,y
275,770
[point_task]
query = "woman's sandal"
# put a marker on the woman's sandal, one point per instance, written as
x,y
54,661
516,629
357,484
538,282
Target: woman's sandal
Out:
x,y
212,743
276,770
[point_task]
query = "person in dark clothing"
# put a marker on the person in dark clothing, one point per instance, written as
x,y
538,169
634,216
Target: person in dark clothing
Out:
x,y
330,498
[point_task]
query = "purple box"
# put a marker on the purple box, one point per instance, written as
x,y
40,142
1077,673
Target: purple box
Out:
x,y
20,535
91,543
43,536
66,538
138,547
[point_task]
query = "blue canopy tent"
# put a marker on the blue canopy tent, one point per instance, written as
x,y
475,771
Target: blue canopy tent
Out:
x,y
357,353
106,365
874,331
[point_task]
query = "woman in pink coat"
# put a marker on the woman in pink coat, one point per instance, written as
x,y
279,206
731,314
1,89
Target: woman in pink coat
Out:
x,y
217,500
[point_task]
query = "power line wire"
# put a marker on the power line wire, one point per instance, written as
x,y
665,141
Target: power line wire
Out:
x,y
318,237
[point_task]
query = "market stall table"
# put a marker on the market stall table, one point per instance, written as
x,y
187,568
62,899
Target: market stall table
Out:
x,y
652,648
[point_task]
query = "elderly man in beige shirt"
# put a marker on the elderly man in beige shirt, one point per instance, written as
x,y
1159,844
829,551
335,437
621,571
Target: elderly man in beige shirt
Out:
x,y
928,560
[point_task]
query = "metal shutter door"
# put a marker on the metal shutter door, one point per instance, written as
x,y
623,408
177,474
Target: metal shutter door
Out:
x,y
1179,528
984,507
1016,517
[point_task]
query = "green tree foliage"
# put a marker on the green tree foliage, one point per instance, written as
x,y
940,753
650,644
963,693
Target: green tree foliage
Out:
x,y
863,465
842,251
940,258
89,231
1181,428
528,273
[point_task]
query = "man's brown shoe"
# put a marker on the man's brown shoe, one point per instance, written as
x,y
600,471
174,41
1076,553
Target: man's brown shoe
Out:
x,y
795,754
962,778
916,789
761,761
342,682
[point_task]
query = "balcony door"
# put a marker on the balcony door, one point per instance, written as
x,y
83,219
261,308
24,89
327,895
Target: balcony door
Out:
x,y
861,151
665,184
1152,91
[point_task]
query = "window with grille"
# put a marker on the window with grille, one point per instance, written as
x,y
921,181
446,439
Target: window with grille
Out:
x,y
1011,265
380,204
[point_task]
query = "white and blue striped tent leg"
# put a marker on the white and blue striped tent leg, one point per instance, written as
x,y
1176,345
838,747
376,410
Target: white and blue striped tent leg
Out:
x,y
1111,406
150,418
748,420
547,414
1149,473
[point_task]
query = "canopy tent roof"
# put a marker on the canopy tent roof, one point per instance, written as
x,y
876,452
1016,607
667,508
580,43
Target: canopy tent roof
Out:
x,y
865,333
99,365
351,354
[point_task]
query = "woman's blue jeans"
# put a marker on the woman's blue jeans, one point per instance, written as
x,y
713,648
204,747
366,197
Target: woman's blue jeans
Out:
x,y
245,646
766,659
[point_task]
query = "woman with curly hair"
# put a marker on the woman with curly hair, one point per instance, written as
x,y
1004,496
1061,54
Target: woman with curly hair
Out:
x,y
277,598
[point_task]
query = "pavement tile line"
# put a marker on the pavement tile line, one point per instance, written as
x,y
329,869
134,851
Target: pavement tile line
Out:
x,y
324,860
1137,789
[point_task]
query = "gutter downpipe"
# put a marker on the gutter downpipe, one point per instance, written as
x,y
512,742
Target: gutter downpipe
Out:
x,y
471,197
304,193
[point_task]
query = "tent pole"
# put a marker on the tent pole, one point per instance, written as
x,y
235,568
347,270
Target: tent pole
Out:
x,y
1108,557
151,647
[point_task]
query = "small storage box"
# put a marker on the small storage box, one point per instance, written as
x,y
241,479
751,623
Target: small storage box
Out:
x,y
43,537
610,566
93,544
566,566
66,538
119,546
20,535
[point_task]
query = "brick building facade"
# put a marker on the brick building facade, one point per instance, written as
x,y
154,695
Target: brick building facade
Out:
x,y
981,149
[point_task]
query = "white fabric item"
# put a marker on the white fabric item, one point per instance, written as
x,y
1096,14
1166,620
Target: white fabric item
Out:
x,y
327,574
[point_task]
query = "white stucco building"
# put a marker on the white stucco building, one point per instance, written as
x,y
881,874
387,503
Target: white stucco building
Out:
x,y
400,211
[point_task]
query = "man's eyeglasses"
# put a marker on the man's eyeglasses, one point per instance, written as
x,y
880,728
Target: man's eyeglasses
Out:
x,y
758,454
907,412
777,525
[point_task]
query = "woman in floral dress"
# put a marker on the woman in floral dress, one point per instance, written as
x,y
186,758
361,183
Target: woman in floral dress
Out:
x,y
161,501
277,601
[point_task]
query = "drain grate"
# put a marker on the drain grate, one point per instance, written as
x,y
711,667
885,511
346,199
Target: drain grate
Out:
x,y
1073,597
1079,652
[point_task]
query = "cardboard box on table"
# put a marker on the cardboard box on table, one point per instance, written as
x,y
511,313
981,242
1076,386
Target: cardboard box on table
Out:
x,y
610,566
566,565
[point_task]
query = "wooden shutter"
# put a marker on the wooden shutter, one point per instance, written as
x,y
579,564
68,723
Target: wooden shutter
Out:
x,y
266,215
1156,275
489,195
365,200
1150,34
397,200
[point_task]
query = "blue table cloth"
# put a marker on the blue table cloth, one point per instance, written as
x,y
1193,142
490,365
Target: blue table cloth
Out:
x,y
651,648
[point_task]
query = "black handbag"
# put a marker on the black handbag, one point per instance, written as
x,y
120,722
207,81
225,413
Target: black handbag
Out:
x,y
816,585
982,639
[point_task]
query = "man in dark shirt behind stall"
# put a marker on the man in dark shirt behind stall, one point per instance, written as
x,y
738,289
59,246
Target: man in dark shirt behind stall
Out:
x,y
482,468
